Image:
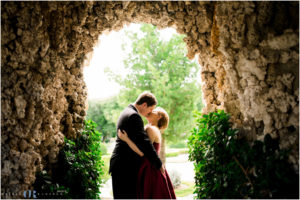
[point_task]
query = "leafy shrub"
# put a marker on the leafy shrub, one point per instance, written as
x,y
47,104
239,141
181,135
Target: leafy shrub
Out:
x,y
80,167
175,178
46,188
229,167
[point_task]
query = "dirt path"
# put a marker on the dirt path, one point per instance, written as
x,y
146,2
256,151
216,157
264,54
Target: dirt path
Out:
x,y
183,166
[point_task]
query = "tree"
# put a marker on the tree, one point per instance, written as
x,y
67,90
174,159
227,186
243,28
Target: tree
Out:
x,y
103,113
162,68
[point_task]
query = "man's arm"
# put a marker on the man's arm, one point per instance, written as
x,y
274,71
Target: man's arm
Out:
x,y
140,138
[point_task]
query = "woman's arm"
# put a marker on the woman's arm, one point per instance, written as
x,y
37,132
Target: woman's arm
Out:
x,y
123,136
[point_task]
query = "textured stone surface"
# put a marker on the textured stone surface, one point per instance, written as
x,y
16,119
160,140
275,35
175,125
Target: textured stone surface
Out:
x,y
249,53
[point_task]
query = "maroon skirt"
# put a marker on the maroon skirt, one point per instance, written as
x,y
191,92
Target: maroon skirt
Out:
x,y
152,184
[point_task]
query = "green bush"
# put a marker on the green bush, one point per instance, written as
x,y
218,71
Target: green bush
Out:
x,y
228,167
80,167
46,188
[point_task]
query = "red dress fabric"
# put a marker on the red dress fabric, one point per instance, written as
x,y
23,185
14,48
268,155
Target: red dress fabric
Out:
x,y
152,184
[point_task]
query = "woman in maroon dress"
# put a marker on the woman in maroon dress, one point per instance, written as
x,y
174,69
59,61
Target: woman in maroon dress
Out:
x,y
152,184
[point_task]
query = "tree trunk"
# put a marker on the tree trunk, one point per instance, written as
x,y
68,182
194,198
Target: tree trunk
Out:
x,y
162,154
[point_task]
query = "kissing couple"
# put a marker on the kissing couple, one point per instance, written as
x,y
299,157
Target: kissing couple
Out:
x,y
137,171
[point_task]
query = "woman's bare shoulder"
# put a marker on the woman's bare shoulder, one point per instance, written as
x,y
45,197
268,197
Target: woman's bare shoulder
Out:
x,y
153,133
151,128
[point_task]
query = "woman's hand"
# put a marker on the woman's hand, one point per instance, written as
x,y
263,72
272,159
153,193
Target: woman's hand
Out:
x,y
163,170
123,135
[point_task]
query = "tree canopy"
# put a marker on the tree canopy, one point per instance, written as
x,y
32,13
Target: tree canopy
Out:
x,y
161,67
104,114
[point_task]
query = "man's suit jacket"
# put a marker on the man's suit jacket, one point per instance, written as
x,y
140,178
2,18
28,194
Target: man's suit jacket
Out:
x,y
124,158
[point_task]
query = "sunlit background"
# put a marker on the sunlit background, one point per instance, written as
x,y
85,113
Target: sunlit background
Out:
x,y
108,53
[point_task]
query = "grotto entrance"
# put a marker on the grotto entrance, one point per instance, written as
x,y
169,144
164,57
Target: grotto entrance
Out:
x,y
156,61
248,52
160,53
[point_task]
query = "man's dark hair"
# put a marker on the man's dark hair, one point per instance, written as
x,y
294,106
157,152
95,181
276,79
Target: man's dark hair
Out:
x,y
147,97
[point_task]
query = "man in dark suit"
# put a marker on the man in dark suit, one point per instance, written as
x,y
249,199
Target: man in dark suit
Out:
x,y
125,163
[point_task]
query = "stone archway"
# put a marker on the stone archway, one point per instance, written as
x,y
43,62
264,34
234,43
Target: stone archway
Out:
x,y
249,52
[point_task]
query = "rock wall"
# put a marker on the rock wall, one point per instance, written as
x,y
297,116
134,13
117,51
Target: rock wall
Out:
x,y
249,53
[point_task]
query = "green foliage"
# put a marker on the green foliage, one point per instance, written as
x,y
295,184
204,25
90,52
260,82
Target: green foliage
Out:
x,y
228,167
46,188
80,166
105,114
207,144
162,68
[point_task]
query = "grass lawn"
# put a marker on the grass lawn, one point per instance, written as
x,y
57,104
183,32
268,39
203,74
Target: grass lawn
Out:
x,y
175,152
186,188
106,159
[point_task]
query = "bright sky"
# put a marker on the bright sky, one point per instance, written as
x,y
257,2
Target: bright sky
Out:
x,y
108,53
